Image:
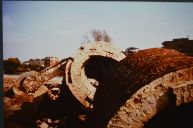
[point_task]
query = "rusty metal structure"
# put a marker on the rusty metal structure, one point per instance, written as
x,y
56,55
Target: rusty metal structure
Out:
x,y
122,91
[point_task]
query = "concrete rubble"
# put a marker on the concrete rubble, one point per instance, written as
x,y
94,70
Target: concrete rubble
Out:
x,y
100,87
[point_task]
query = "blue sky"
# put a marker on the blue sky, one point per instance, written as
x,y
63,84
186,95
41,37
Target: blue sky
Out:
x,y
36,29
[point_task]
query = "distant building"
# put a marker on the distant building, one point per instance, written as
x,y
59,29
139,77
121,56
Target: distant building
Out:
x,y
46,62
183,45
51,61
40,62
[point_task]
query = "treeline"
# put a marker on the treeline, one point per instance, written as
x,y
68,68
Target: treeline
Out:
x,y
14,66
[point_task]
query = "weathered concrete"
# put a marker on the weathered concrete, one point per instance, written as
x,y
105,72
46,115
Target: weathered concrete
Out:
x,y
73,70
151,99
157,74
134,90
79,84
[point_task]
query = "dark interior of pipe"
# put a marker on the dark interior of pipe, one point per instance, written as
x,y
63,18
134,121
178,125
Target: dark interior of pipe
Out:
x,y
109,96
99,67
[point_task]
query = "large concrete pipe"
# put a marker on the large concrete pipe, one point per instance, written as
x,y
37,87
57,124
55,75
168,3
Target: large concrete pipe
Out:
x,y
144,83
82,72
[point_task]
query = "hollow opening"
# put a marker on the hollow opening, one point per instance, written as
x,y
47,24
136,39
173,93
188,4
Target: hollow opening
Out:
x,y
99,67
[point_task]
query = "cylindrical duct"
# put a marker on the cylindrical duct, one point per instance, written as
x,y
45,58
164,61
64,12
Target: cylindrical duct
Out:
x,y
145,83
83,87
152,79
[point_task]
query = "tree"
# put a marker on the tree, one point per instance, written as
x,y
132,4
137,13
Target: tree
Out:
x,y
97,35
130,50
11,65
35,67
106,37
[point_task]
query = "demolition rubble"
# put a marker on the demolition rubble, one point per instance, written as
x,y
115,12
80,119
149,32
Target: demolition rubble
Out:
x,y
100,87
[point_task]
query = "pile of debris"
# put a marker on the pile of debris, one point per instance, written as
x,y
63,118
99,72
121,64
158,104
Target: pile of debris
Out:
x,y
100,87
